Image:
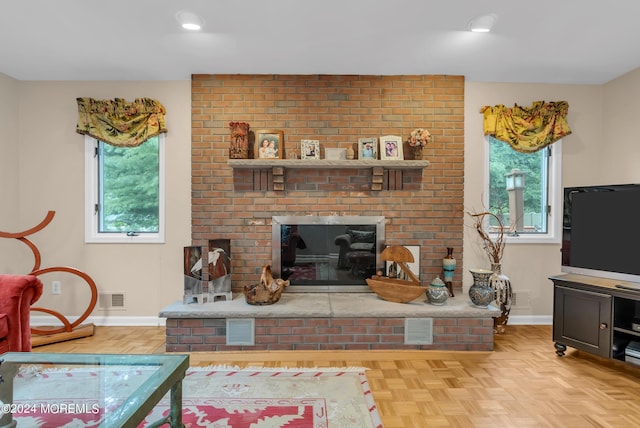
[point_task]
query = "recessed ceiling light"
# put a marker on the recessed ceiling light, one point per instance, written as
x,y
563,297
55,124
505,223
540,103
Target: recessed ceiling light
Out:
x,y
482,23
189,20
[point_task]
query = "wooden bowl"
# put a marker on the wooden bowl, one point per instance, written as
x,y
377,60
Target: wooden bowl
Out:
x,y
395,290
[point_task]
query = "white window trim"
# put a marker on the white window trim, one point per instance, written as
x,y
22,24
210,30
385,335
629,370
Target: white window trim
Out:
x,y
553,235
91,234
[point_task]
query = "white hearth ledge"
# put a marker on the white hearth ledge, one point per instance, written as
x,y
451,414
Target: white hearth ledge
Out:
x,y
330,305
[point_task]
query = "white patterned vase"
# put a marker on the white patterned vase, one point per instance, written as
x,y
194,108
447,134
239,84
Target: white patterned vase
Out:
x,y
437,292
481,293
501,286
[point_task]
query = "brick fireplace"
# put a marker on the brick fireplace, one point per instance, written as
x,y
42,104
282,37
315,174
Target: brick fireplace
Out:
x,y
422,206
424,209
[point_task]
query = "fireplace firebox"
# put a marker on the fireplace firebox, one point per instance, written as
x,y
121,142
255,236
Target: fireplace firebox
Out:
x,y
327,253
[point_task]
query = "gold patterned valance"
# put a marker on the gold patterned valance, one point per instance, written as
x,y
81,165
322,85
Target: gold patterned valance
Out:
x,y
527,129
121,123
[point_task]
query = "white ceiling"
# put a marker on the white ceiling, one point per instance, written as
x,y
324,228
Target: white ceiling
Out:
x,y
541,41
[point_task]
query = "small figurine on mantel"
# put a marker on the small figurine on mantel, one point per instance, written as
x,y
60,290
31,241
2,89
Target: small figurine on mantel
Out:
x,y
268,291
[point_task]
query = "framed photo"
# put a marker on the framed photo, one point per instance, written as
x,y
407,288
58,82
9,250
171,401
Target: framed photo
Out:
x,y
393,270
268,144
309,149
367,148
391,147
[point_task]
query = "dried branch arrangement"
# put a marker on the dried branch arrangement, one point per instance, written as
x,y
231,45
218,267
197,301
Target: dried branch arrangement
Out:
x,y
493,247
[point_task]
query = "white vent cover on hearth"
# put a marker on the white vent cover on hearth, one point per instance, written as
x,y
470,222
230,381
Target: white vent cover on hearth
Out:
x,y
241,331
418,331
111,300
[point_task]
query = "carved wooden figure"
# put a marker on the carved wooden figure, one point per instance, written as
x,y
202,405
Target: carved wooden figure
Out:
x,y
397,290
267,291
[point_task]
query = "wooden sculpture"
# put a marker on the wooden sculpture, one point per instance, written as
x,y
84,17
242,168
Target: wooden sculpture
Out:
x,y
393,289
268,291
68,330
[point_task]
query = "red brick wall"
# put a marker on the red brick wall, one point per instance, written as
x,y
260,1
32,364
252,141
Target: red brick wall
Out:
x,y
209,334
337,110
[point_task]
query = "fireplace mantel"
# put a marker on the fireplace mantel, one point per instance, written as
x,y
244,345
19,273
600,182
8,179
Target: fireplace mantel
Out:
x,y
276,169
327,163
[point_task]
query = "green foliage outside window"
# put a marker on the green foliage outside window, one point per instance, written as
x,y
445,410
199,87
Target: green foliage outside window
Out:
x,y
129,188
502,160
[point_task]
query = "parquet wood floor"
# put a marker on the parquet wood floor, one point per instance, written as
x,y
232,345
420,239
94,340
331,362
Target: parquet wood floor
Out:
x,y
521,384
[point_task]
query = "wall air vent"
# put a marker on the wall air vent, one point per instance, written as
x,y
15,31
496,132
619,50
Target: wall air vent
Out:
x,y
111,300
521,300
418,331
241,331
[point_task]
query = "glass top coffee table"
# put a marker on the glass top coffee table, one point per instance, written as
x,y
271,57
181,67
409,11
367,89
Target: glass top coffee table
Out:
x,y
116,390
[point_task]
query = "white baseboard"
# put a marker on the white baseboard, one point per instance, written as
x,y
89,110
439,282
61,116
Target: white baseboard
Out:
x,y
114,321
108,321
530,320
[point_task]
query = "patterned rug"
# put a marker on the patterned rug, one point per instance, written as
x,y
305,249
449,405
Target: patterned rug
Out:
x,y
301,272
212,397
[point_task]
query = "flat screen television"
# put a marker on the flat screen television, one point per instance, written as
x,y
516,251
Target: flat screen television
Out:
x,y
601,231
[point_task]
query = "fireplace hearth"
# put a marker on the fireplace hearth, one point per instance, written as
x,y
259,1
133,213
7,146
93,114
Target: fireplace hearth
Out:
x,y
327,253
328,321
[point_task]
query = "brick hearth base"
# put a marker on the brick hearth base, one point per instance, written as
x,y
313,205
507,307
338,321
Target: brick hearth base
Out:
x,y
319,321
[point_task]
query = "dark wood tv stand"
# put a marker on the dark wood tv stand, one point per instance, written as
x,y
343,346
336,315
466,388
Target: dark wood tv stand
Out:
x,y
594,315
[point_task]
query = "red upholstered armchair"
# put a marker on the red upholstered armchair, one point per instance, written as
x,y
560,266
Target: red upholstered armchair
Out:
x,y
17,294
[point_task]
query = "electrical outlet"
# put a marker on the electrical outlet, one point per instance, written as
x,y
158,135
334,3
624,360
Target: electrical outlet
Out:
x,y
56,287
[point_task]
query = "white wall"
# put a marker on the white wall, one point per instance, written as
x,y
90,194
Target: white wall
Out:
x,y
620,145
9,149
603,149
529,265
51,177
10,249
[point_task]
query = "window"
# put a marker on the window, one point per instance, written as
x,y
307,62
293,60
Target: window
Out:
x,y
530,212
124,192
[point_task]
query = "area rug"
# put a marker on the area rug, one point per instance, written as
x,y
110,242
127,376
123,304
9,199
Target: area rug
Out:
x,y
301,272
218,397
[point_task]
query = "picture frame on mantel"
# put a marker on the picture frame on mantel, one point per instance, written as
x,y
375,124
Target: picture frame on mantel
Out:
x,y
368,148
391,147
269,144
309,149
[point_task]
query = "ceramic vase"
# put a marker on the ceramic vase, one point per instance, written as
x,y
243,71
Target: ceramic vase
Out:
x,y
350,153
239,147
417,152
448,269
437,292
480,292
501,286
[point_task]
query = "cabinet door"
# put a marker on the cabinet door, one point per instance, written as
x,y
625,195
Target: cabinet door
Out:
x,y
582,320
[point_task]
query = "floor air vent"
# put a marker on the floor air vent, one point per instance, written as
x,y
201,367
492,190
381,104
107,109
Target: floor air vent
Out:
x,y
111,301
418,331
241,331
